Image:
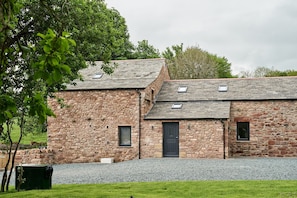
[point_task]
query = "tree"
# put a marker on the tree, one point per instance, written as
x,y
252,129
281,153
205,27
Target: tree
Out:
x,y
261,71
267,72
223,66
100,33
33,67
144,51
176,51
195,63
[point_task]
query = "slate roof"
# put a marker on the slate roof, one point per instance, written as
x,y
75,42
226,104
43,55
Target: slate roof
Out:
x,y
129,74
202,100
190,110
238,89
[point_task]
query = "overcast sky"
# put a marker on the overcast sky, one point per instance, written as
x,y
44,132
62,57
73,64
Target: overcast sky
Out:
x,y
249,33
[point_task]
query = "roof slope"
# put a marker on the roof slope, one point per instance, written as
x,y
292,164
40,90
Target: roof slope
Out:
x,y
190,110
237,89
203,100
128,74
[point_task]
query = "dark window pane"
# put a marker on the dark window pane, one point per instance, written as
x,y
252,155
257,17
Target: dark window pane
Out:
x,y
125,136
243,131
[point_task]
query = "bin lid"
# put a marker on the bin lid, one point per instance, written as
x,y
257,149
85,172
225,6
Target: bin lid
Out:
x,y
34,165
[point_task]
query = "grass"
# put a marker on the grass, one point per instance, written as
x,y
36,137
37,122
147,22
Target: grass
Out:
x,y
167,189
28,138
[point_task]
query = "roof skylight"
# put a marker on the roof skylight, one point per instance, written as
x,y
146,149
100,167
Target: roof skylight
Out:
x,y
182,89
97,76
223,88
176,106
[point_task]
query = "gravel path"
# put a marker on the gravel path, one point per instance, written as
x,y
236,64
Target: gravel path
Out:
x,y
172,169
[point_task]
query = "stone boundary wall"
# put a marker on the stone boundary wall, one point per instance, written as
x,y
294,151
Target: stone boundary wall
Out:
x,y
34,156
28,156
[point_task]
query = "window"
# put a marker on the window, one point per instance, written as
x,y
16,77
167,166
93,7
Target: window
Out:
x,y
243,131
176,106
97,76
124,135
182,89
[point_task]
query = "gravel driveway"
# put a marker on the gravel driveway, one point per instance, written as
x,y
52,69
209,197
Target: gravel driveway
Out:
x,y
172,169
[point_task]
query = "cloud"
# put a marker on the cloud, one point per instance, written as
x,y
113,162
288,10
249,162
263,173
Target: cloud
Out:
x,y
248,33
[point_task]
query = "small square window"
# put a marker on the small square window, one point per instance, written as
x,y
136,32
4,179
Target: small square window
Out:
x,y
124,135
223,88
176,106
182,89
243,131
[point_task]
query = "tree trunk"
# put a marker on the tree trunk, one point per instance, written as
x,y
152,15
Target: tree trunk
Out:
x,y
6,177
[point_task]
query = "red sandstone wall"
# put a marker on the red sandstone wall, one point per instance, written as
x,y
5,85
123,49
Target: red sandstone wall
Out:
x,y
87,129
273,128
197,139
34,156
152,91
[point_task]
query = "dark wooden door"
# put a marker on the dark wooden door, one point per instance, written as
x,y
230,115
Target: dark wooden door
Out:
x,y
171,139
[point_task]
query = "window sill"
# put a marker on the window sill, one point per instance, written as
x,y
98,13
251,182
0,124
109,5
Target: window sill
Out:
x,y
125,146
242,140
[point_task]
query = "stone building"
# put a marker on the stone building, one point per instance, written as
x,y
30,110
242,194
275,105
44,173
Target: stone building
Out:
x,y
103,114
138,112
223,118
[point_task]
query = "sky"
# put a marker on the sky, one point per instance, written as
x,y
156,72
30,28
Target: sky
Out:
x,y
249,33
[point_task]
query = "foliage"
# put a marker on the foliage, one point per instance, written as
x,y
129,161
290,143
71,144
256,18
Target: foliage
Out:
x,y
267,72
222,65
168,189
100,33
275,73
33,129
195,63
33,67
145,51
176,51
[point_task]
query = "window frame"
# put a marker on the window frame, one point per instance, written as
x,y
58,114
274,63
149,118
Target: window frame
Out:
x,y
120,131
242,126
182,89
176,106
223,88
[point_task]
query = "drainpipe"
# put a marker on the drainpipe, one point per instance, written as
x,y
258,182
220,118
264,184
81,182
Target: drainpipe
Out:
x,y
224,140
139,123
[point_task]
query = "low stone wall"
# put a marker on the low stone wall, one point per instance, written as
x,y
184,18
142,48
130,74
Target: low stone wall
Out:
x,y
29,156
34,156
3,160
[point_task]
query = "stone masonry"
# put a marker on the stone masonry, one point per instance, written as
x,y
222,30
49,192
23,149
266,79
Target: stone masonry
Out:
x,y
87,128
273,128
197,139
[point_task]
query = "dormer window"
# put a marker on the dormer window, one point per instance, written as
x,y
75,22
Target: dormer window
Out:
x,y
182,89
97,76
176,106
223,88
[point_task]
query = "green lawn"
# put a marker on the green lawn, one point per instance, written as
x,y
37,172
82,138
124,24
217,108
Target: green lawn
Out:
x,y
168,189
28,138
